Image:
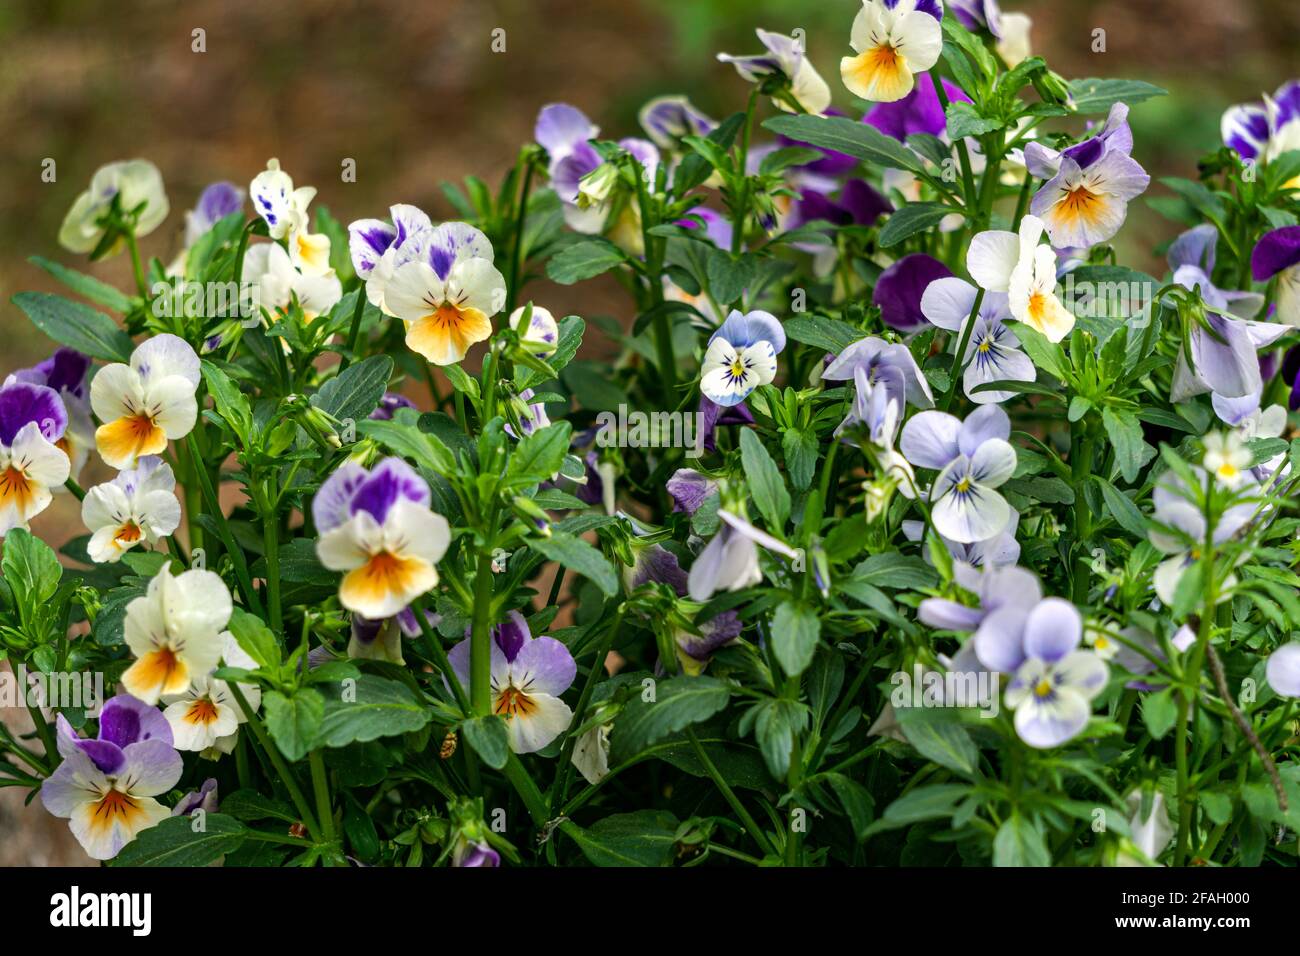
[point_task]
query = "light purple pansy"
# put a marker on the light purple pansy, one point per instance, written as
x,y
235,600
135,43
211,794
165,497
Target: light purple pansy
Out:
x,y
1277,255
992,351
216,202
729,562
1006,595
106,786
874,354
475,853
900,287
740,356
205,799
1180,531
974,14
351,489
67,372
1089,185
1224,360
528,676
917,112
689,490
22,404
1001,550
388,406
1263,131
666,119
715,226
695,648
653,563
1053,699
875,406
973,459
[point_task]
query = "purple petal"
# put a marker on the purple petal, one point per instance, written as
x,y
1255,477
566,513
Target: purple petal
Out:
x,y
689,489
918,112
392,480
512,634
332,505
1053,629
22,403
545,666
1278,250
900,287
561,127
125,720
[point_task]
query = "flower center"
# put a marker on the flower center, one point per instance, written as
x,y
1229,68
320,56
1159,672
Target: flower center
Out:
x,y
1081,203
129,533
1043,689
16,488
513,702
114,807
202,711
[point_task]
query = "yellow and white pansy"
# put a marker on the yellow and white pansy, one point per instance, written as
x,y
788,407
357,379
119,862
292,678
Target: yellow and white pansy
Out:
x,y
176,632
146,403
138,506
894,40
206,716
280,281
1001,261
32,420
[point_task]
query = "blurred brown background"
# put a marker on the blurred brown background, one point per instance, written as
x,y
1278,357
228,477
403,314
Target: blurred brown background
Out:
x,y
412,90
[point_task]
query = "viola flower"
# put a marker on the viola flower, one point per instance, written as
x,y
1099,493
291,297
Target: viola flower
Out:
x,y
1152,835
918,112
1001,550
175,630
1228,459
992,352
66,371
388,406
900,287
978,14
205,799
377,527
139,505
1014,263
689,490
1277,254
32,420
275,199
528,676
741,355
1014,45
216,202
1267,423
1006,595
106,787
730,561
137,187
667,119
1283,670
381,640
532,416
894,40
1264,131
591,753
378,249
447,296
1192,257
468,853
874,355
973,459
205,716
696,644
712,416
1224,361
653,563
1047,630
280,282
541,334
786,57
1088,187
1053,699
1182,532
145,404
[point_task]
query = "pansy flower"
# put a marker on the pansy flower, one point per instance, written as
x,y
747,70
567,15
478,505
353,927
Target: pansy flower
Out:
x,y
1053,699
1283,670
136,184
377,527
667,119
973,459
1264,131
176,632
280,282
32,420
1014,45
446,296
532,416
540,335
378,248
1018,265
1269,422
873,355
205,716
388,406
1228,459
1277,254
205,798
689,489
1088,186
145,404
976,14
697,643
381,640
900,288
528,676
106,787
785,56
1221,356
1180,532
740,356
216,202
894,40
66,371
275,199
992,351
729,562
138,506
1001,550
1006,595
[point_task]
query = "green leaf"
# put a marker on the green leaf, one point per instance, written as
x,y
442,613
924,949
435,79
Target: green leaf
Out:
x,y
939,737
800,449
830,335
913,218
368,708
796,631
932,802
76,325
101,293
584,260
1019,842
577,555
178,842
1125,433
356,391
294,721
728,277
538,456
844,135
232,405
489,738
1159,711
252,634
1122,508
643,838
856,800
30,568
964,120
893,569
765,482
249,805
678,703
1047,355
426,450
1098,96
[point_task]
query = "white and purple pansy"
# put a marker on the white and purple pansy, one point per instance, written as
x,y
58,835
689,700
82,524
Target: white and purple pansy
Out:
x,y
32,420
1277,256
528,676
976,14
378,248
894,40
67,372
874,355
785,56
138,506
1001,550
106,787
1089,185
532,416
376,526
973,459
992,351
729,562
1053,699
697,643
1221,356
540,334
447,295
216,202
381,640
1264,131
667,119
205,717
740,356
176,630
281,206
1006,595
146,403
1180,532
690,489
280,282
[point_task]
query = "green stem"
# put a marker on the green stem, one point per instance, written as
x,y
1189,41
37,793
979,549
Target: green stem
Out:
x,y
967,179
227,538
281,768
77,491
526,787
137,268
354,332
729,795
271,545
324,808
433,646
564,773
